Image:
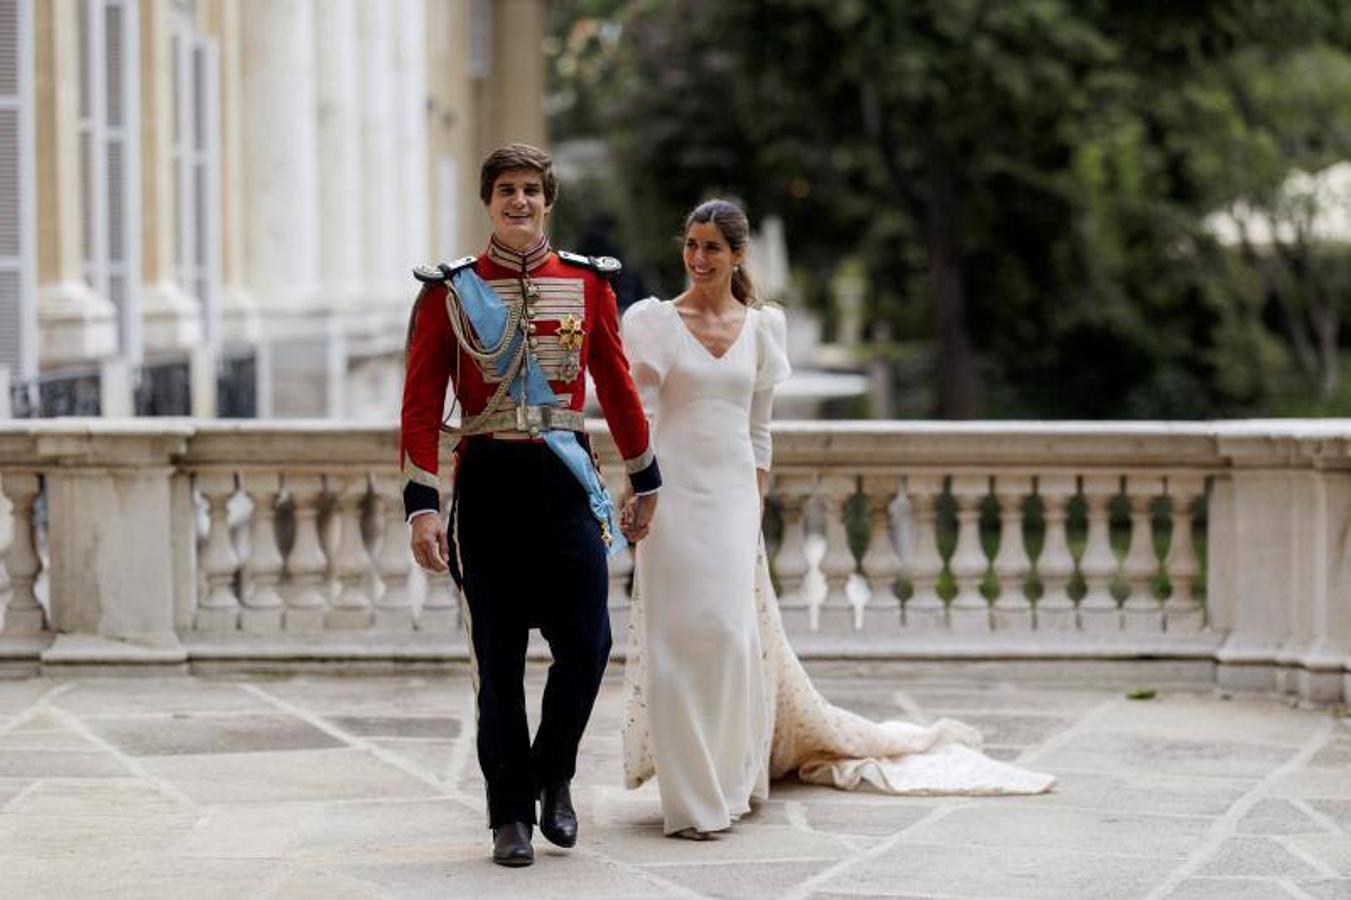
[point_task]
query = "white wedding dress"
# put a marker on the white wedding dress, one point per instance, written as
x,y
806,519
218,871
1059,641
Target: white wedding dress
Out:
x,y
716,703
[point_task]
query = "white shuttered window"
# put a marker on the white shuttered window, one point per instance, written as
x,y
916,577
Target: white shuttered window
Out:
x,y
109,160
196,154
18,225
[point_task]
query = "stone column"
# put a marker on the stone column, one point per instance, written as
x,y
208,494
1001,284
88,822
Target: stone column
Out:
x,y
410,97
339,164
382,260
238,307
172,317
304,357
75,324
517,84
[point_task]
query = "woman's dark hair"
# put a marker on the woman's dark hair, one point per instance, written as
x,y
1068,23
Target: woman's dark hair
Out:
x,y
736,230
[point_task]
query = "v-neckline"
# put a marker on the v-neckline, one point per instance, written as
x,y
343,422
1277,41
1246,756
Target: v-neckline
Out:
x,y
745,320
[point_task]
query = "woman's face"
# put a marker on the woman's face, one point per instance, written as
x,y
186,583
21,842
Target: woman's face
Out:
x,y
709,259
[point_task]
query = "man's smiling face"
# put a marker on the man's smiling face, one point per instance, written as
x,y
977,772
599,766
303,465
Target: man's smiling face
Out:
x,y
517,208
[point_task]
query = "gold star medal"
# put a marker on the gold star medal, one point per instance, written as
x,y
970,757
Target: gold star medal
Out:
x,y
570,333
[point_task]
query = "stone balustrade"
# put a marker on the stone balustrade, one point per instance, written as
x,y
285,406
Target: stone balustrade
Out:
x,y
1215,546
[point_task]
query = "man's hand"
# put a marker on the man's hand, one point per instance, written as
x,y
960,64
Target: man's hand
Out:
x,y
431,549
636,518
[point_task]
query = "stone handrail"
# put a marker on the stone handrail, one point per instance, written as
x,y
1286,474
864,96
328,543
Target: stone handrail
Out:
x,y
210,543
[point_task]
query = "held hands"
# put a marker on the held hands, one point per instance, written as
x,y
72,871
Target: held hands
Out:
x,y
431,549
635,515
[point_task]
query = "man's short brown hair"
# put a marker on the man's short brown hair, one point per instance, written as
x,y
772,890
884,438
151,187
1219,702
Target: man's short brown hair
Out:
x,y
517,156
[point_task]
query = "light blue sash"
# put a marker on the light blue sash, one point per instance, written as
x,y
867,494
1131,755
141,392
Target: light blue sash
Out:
x,y
487,313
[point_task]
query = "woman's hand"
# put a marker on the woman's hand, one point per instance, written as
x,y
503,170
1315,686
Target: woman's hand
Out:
x,y
635,520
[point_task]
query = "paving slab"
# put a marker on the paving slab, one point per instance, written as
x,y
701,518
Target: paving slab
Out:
x,y
926,869
63,764
16,696
351,831
11,788
431,758
1335,754
1255,720
318,775
86,837
45,739
308,883
1115,752
1230,889
1327,888
260,831
145,877
742,881
114,697
1337,810
1278,817
187,734
1181,795
553,875
644,844
1258,857
111,799
1015,729
442,727
1020,823
1331,851
446,696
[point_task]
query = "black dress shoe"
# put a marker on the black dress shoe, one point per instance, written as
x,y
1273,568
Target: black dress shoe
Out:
x,y
557,820
511,845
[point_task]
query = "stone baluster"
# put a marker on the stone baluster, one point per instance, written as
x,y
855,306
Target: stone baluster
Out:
x,y
968,611
924,610
1055,565
440,611
1182,613
262,603
881,564
1012,610
1141,612
793,490
837,611
306,566
24,616
351,609
219,607
1098,610
393,561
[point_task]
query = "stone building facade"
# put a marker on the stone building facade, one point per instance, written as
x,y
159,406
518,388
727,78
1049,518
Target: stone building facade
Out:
x,y
210,207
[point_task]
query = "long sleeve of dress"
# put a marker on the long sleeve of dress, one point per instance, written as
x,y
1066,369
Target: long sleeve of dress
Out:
x,y
648,347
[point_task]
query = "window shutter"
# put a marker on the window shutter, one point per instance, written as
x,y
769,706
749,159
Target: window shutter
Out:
x,y
206,180
120,156
18,227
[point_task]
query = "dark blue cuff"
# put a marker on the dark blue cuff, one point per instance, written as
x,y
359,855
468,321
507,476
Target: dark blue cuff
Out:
x,y
647,479
417,497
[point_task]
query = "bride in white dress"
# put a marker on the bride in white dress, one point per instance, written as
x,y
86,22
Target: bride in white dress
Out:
x,y
716,702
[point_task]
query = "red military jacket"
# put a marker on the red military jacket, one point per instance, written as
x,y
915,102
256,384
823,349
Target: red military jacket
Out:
x,y
566,296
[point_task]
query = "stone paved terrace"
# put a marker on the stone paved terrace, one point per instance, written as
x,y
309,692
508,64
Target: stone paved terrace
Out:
x,y
366,787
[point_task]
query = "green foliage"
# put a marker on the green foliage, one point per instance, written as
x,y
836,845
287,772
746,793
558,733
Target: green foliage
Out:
x,y
1025,181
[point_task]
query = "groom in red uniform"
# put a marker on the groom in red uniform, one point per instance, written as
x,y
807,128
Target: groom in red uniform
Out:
x,y
528,528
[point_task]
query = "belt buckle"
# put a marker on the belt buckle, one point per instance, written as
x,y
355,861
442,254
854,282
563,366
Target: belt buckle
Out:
x,y
529,419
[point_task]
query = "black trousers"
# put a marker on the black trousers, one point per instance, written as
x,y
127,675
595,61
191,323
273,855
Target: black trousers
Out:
x,y
532,557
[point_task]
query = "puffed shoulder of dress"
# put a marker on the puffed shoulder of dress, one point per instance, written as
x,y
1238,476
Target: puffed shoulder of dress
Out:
x,y
648,337
772,366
